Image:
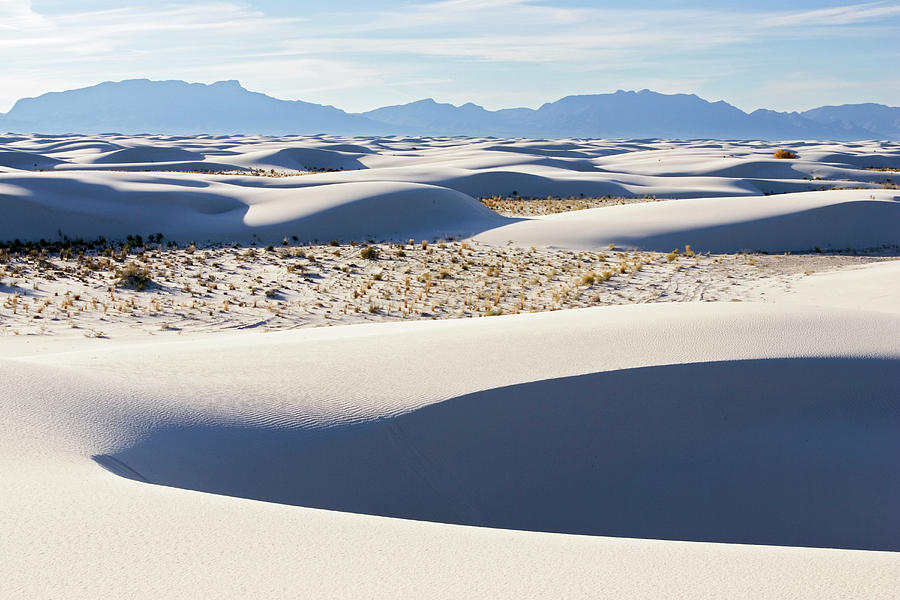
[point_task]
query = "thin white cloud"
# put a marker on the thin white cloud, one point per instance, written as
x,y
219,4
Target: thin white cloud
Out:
x,y
18,15
840,15
528,31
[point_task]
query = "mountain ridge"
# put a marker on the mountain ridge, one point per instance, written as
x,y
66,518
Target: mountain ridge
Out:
x,y
226,107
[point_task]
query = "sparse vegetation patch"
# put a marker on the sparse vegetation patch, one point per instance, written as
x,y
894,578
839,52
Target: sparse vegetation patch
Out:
x,y
518,206
169,290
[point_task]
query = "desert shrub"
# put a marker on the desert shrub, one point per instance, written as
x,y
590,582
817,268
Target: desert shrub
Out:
x,y
135,276
369,253
588,279
782,153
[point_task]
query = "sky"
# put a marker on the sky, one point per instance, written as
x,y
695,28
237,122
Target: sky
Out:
x,y
358,55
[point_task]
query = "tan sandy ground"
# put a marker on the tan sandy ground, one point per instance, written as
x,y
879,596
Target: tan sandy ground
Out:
x,y
274,288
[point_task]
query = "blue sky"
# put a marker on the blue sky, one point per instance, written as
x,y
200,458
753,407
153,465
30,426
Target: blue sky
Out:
x,y
359,54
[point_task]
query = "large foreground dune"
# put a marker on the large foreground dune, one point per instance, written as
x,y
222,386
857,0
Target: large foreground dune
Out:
x,y
696,450
779,428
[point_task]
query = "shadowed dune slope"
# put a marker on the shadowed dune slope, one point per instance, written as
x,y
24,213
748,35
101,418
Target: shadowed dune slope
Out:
x,y
299,159
827,220
184,208
798,452
147,154
27,160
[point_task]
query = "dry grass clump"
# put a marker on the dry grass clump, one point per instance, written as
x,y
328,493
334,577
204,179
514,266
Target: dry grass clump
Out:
x,y
369,253
134,276
782,153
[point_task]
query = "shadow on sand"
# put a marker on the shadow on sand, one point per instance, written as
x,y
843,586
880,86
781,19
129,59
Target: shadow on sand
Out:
x,y
799,452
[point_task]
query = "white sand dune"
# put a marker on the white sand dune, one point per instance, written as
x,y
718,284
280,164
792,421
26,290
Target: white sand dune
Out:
x,y
438,179
147,154
185,208
700,450
299,159
788,222
26,160
873,287
632,430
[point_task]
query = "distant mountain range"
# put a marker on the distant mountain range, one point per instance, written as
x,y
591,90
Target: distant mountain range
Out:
x,y
177,107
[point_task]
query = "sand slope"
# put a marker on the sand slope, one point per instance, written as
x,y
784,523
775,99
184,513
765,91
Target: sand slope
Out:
x,y
866,288
834,220
342,418
185,208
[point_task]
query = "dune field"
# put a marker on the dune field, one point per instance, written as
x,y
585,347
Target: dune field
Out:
x,y
245,366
